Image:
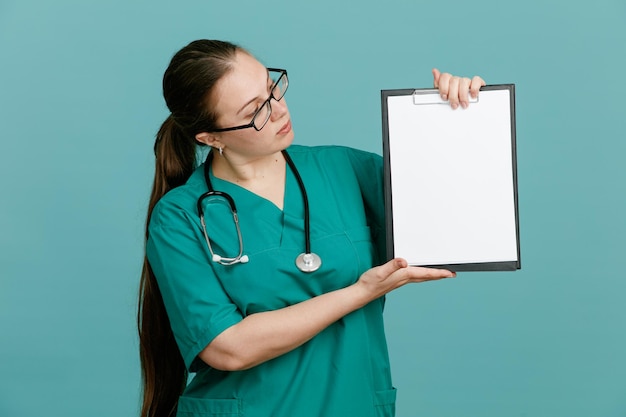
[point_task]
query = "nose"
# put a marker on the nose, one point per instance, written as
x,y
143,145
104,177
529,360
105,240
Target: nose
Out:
x,y
279,108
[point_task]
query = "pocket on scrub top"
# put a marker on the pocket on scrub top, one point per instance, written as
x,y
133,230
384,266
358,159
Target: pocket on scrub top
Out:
x,y
385,402
361,240
202,407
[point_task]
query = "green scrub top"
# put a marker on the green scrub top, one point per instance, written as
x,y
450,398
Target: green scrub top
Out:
x,y
344,370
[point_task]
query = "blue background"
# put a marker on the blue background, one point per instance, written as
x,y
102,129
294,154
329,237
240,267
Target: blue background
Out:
x,y
80,102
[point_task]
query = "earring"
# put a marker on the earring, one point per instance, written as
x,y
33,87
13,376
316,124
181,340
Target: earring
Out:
x,y
221,151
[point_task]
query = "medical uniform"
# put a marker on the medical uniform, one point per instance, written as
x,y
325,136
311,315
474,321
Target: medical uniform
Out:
x,y
341,372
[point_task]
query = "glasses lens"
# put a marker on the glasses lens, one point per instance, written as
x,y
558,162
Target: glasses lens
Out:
x,y
281,87
262,116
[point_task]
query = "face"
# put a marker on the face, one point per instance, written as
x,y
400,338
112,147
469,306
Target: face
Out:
x,y
236,98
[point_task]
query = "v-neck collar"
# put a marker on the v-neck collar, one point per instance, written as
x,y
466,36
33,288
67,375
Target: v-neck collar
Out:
x,y
248,201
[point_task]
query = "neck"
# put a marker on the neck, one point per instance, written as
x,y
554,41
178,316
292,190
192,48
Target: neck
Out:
x,y
249,170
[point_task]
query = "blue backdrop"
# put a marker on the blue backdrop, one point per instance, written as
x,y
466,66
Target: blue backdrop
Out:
x,y
80,102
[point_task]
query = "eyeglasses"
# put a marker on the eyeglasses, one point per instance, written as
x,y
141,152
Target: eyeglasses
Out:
x,y
262,115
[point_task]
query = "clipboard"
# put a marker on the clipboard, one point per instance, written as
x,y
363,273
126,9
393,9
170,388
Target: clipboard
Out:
x,y
451,198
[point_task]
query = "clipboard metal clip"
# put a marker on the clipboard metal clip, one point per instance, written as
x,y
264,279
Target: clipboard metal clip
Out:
x,y
431,96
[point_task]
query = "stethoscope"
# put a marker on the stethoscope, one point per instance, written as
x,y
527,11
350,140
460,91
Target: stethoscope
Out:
x,y
306,262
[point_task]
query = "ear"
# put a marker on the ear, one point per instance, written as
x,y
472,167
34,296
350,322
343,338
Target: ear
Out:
x,y
209,139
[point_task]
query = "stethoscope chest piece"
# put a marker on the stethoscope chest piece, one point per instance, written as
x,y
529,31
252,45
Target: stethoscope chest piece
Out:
x,y
308,262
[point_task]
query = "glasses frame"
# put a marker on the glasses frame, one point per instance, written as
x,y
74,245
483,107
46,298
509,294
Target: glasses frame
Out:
x,y
283,73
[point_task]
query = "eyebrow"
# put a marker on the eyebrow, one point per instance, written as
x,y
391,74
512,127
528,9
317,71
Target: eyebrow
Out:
x,y
254,99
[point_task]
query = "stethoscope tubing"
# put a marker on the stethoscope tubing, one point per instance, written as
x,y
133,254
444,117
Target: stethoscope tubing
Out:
x,y
305,202
217,258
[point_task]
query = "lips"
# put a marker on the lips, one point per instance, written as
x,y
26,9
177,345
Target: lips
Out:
x,y
286,128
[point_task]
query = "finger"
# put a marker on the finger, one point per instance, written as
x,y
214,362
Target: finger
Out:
x,y
444,85
429,274
477,82
436,75
414,274
421,280
464,86
453,92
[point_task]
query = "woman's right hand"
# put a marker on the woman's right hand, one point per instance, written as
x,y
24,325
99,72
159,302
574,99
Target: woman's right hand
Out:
x,y
382,279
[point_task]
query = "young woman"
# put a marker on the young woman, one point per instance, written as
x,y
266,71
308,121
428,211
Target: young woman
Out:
x,y
262,273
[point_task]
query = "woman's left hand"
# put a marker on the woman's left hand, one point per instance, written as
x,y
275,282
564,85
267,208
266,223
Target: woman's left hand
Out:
x,y
457,90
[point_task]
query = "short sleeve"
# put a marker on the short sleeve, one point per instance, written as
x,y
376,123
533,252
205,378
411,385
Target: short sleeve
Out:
x,y
368,168
197,305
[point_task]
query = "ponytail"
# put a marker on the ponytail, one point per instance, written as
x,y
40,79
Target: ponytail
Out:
x,y
164,374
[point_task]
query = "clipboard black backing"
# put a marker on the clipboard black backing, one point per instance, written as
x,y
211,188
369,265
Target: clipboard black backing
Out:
x,y
508,261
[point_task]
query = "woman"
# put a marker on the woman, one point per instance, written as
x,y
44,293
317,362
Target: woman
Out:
x,y
281,313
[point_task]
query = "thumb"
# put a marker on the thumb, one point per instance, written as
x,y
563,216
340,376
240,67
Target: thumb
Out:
x,y
392,266
436,75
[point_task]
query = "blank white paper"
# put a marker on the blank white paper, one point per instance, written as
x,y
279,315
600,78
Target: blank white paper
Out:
x,y
452,181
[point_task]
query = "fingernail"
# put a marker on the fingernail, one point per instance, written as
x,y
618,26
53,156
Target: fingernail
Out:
x,y
464,105
444,96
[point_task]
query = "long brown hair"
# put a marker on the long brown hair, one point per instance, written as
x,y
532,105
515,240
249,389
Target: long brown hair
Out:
x,y
187,85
